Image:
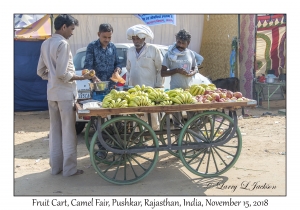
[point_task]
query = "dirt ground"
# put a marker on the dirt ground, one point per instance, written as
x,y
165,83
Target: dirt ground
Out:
x,y
262,162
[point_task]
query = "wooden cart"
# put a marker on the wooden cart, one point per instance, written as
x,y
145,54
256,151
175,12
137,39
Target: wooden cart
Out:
x,y
207,139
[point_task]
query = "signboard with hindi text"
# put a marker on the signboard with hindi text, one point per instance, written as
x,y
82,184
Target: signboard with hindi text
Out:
x,y
157,19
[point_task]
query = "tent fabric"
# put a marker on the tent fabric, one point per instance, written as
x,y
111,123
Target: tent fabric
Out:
x,y
30,91
246,54
270,43
164,34
40,29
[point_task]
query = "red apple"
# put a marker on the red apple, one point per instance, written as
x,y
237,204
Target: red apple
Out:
x,y
223,95
238,94
222,100
207,92
229,94
215,96
199,98
209,97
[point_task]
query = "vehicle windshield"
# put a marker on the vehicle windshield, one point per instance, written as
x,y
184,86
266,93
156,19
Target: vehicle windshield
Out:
x,y
80,57
122,53
163,51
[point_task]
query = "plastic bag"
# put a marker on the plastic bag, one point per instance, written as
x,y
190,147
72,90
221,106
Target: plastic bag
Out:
x,y
117,78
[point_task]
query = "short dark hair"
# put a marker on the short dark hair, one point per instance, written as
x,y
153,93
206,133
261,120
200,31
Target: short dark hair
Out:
x,y
183,35
106,27
60,20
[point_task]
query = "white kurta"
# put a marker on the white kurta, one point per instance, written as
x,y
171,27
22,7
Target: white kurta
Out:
x,y
144,70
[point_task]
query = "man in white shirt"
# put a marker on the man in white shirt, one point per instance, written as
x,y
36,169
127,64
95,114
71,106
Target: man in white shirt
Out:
x,y
56,65
143,62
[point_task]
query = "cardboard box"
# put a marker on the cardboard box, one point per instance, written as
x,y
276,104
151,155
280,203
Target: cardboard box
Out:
x,y
274,104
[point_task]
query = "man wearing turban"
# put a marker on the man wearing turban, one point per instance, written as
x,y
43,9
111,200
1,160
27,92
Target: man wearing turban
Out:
x,y
143,62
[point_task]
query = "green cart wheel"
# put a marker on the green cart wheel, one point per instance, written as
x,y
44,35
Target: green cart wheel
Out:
x,y
213,147
122,165
182,119
93,123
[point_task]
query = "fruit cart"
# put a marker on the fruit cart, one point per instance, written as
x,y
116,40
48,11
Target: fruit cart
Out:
x,y
207,139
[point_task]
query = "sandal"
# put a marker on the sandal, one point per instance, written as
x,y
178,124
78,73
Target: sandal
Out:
x,y
78,172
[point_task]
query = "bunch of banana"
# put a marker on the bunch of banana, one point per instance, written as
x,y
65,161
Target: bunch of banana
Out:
x,y
123,95
163,103
114,95
158,96
196,90
110,103
183,98
211,87
138,93
108,97
204,85
137,87
148,89
174,92
159,89
140,101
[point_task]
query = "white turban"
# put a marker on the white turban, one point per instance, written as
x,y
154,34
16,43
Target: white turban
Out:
x,y
142,31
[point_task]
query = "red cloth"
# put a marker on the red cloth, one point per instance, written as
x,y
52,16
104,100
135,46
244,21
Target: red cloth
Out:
x,y
262,79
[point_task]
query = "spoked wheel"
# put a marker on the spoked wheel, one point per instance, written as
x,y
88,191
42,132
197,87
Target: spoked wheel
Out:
x,y
181,121
93,124
131,150
213,146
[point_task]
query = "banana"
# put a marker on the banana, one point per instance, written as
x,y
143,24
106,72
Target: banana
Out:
x,y
183,96
143,101
203,85
197,90
192,88
179,97
137,87
132,90
176,101
132,104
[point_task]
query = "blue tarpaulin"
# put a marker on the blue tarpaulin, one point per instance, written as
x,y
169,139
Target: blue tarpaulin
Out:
x,y
30,91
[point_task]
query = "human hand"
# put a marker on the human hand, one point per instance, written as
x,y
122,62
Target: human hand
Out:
x,y
118,70
191,73
182,71
96,79
87,76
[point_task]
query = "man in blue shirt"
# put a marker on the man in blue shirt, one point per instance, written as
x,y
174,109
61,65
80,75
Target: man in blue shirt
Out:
x,y
101,55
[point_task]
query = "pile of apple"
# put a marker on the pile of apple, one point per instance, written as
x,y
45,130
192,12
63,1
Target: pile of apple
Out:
x,y
220,95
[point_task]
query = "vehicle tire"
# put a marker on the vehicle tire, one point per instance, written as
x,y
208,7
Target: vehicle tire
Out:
x,y
79,127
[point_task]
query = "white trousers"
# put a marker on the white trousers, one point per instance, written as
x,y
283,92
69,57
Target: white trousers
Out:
x,y
62,138
154,120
